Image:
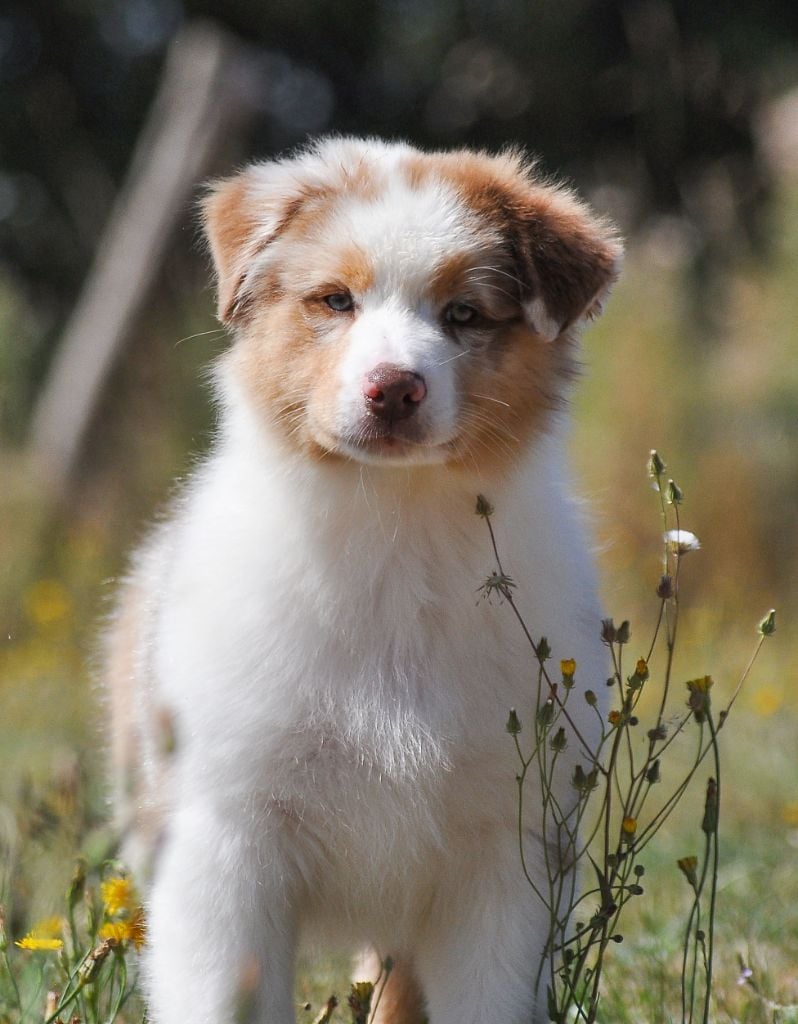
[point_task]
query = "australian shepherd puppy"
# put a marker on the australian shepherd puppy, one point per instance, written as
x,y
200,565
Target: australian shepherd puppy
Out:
x,y
309,695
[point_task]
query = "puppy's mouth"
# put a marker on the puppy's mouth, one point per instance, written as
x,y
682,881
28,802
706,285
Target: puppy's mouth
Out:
x,y
376,441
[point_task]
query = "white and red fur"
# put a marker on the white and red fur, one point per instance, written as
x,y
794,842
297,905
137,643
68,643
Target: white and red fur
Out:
x,y
306,628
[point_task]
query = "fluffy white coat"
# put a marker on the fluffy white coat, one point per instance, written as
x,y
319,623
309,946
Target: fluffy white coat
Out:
x,y
310,634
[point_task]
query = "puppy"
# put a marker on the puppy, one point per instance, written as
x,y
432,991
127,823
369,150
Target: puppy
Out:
x,y
309,695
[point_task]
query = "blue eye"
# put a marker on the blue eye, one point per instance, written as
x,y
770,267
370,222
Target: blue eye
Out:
x,y
459,313
340,302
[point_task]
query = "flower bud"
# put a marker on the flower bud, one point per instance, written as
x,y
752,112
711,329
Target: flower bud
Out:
x,y
652,773
688,867
579,779
624,632
558,741
608,632
767,627
513,723
674,493
665,587
543,650
639,676
591,698
545,714
656,466
484,507
698,700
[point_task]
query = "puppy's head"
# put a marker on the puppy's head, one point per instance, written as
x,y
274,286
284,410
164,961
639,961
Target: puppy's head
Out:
x,y
398,307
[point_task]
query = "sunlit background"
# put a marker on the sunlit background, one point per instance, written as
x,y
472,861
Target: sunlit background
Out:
x,y
677,119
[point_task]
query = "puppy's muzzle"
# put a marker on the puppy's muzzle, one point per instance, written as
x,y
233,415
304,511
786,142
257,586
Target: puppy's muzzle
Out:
x,y
392,393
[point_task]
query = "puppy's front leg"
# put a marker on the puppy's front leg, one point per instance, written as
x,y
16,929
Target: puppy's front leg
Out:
x,y
221,922
478,956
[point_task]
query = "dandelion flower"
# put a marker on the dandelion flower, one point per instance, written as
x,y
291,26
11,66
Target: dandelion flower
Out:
x,y
128,929
614,717
568,667
44,935
680,542
629,827
118,895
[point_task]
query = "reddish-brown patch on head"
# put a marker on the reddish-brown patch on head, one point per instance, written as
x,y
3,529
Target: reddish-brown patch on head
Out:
x,y
485,278
245,214
231,225
510,392
347,268
565,257
284,371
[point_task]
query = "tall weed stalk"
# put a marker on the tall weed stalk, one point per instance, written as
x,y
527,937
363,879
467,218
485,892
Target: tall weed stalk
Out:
x,y
618,800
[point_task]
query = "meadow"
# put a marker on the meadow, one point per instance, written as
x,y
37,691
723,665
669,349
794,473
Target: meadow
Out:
x,y
707,376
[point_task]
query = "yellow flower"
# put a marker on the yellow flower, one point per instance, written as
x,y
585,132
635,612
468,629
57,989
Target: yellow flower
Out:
x,y
641,668
789,814
128,929
614,717
47,602
118,895
44,935
629,827
766,701
568,667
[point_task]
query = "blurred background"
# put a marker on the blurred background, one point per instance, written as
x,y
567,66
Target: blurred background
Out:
x,y
677,118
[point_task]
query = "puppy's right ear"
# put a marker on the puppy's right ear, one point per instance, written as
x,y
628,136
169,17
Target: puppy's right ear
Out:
x,y
242,216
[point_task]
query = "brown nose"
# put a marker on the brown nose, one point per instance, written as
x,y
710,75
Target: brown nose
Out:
x,y
392,393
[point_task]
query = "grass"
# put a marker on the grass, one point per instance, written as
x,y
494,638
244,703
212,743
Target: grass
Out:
x,y
722,400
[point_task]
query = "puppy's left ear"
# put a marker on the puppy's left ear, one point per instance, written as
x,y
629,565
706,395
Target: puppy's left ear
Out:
x,y
568,259
242,216
231,223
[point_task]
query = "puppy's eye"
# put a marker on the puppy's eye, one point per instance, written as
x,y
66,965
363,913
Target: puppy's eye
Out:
x,y
340,302
459,313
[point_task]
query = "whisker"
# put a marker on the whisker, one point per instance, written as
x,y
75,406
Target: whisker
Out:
x,y
488,398
200,334
465,352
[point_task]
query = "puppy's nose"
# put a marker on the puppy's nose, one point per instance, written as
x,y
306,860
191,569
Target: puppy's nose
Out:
x,y
392,393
